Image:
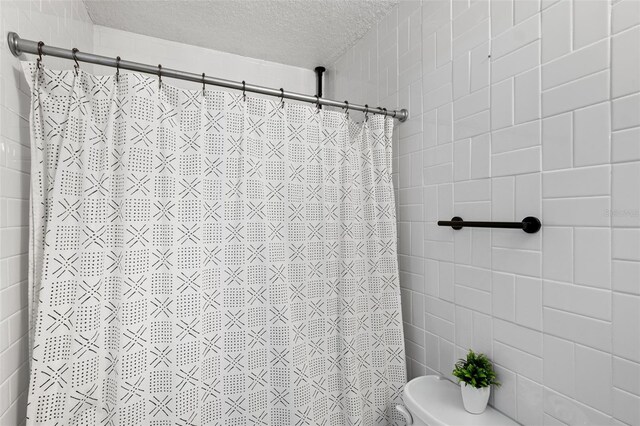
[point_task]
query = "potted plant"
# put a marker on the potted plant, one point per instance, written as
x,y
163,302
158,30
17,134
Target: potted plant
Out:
x,y
476,376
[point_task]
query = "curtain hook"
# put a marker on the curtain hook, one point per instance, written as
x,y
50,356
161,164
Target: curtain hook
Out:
x,y
74,51
366,112
281,98
39,61
317,104
159,76
203,91
244,94
118,68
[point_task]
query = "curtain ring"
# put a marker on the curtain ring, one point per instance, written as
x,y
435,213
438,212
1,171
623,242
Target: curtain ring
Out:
x,y
244,94
394,113
39,61
366,112
203,92
385,111
281,98
346,108
159,76
317,104
74,51
118,68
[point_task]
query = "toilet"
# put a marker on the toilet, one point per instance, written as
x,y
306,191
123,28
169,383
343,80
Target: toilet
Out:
x,y
435,401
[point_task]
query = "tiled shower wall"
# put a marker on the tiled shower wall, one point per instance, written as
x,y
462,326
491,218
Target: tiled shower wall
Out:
x,y
59,23
518,108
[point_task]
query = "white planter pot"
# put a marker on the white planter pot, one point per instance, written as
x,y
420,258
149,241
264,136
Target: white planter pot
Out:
x,y
474,399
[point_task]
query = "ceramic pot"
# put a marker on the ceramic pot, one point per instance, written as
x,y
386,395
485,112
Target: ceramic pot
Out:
x,y
475,399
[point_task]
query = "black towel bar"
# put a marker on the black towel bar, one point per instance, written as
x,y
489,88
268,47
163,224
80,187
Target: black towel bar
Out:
x,y
529,224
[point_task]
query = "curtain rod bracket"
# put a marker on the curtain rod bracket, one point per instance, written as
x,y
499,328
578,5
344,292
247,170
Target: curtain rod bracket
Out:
x,y
319,71
12,39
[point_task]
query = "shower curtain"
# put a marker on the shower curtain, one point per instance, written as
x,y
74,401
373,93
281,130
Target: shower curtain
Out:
x,y
208,259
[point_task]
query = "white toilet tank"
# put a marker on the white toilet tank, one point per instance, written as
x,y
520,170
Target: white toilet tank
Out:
x,y
434,401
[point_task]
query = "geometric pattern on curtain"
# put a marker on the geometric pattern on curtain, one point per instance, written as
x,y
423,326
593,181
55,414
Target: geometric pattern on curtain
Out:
x,y
204,259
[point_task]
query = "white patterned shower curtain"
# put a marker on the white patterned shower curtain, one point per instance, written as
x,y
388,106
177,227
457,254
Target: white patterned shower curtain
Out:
x,y
202,259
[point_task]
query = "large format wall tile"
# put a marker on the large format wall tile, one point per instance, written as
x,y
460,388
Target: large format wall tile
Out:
x,y
529,107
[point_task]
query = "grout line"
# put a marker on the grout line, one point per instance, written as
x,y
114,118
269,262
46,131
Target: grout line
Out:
x,y
577,80
609,322
610,40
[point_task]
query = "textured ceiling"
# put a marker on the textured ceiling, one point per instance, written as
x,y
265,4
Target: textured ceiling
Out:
x,y
304,33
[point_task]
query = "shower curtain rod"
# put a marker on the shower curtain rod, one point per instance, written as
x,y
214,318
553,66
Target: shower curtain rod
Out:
x,y
18,45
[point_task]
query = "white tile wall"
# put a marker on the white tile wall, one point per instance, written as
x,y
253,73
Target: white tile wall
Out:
x,y
526,107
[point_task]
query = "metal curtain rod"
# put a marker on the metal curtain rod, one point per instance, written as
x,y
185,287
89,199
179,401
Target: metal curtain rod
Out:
x,y
529,224
18,45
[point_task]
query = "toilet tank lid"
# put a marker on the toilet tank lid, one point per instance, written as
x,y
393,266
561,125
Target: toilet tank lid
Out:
x,y
438,402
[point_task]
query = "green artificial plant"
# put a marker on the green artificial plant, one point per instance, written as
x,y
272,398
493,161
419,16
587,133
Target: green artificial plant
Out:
x,y
476,371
